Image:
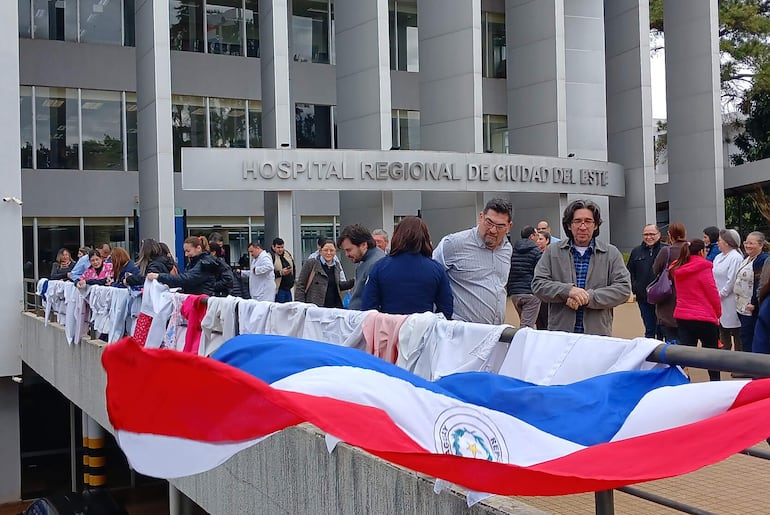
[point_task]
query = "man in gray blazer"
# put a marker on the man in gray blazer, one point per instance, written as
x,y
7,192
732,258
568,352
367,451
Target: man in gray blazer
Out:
x,y
581,278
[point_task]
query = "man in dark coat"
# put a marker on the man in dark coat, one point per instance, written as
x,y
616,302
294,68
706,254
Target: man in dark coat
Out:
x,y
640,267
519,288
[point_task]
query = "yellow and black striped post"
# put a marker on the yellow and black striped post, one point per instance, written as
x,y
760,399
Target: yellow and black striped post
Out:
x,y
97,460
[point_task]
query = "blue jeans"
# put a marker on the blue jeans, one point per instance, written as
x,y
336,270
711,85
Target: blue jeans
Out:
x,y
651,328
747,331
283,296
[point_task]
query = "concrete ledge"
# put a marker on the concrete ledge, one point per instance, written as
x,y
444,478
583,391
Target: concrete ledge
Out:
x,y
290,472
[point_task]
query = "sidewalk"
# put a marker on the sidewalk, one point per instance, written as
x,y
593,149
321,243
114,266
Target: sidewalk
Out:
x,y
735,486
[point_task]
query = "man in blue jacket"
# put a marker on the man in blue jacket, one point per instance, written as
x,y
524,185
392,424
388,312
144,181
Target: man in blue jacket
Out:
x,y
358,244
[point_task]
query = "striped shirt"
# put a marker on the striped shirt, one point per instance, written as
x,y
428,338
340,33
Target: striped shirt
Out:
x,y
581,263
477,275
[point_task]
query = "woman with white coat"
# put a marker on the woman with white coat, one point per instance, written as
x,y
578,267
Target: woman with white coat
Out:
x,y
726,265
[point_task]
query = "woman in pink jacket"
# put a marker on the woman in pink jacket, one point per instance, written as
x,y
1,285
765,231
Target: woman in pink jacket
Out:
x,y
698,306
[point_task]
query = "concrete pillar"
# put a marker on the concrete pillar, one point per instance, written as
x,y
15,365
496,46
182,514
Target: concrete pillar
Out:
x,y
277,114
153,91
363,100
629,116
450,100
11,302
280,219
695,165
585,79
363,74
536,83
277,108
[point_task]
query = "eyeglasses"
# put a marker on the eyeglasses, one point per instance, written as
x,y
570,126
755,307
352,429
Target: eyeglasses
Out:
x,y
578,223
489,223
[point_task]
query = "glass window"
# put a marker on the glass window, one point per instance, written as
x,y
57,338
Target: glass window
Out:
x,y
188,117
255,124
55,20
406,129
314,129
100,21
227,122
224,20
129,23
25,108
252,28
102,122
310,30
404,54
56,127
186,19
25,19
493,45
52,236
132,153
496,133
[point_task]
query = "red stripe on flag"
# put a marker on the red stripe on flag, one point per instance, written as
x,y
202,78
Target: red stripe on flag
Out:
x,y
169,393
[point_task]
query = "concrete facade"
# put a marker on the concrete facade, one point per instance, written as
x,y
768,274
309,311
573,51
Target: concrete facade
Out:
x,y
695,161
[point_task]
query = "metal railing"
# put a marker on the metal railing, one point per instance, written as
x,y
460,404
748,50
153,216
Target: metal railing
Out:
x,y
754,365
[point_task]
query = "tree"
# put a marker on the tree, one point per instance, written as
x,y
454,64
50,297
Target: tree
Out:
x,y
754,141
744,45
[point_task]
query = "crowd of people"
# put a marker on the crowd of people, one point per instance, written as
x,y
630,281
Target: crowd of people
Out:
x,y
715,297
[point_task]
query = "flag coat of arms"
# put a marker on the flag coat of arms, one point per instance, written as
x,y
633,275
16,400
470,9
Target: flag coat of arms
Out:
x,y
177,414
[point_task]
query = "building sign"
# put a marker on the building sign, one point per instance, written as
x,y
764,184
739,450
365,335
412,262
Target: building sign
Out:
x,y
395,170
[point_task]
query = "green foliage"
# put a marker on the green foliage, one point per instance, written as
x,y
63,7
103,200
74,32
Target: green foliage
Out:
x,y
754,141
744,28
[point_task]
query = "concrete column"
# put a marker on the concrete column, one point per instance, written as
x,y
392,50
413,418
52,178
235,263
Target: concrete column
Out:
x,y
279,219
153,91
11,302
536,83
277,108
629,116
585,79
695,165
450,100
277,113
363,101
363,74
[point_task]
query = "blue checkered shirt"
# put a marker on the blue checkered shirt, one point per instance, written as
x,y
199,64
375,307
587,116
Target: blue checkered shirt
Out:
x,y
581,272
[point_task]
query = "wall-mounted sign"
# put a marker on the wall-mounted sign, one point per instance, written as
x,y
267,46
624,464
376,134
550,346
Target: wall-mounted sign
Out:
x,y
395,170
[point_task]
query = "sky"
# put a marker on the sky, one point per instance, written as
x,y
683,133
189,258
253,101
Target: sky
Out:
x,y
658,73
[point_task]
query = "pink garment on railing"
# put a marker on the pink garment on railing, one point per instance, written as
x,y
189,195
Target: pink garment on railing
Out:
x,y
193,310
90,272
381,334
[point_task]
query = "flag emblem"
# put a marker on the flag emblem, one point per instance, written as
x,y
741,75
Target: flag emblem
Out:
x,y
466,432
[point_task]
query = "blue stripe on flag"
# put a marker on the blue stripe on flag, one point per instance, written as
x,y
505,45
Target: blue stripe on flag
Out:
x,y
586,412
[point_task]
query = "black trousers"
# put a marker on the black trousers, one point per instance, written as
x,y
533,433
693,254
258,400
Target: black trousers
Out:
x,y
690,331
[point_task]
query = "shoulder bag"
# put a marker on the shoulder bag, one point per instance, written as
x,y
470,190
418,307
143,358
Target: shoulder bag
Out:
x,y
661,289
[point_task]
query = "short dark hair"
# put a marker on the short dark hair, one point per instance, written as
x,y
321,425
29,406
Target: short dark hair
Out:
x,y
216,237
527,231
500,205
321,239
569,214
215,248
255,243
712,232
357,234
411,236
278,241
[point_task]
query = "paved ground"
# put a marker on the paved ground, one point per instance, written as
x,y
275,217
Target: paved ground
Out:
x,y
738,485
